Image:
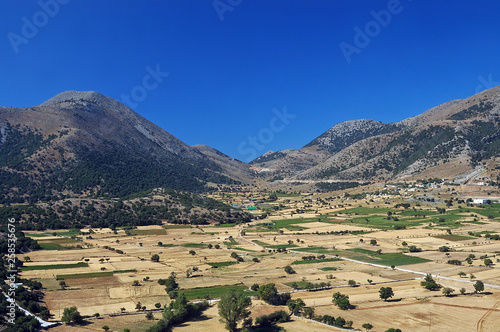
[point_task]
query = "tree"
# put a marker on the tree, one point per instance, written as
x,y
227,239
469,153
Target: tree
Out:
x,y
27,259
385,293
447,291
488,262
136,283
461,274
171,284
341,301
462,291
160,243
255,287
71,315
373,242
150,316
158,305
393,330
233,308
351,283
309,312
478,286
289,269
96,315
367,326
155,258
192,252
268,293
138,306
429,283
295,306
63,285
105,328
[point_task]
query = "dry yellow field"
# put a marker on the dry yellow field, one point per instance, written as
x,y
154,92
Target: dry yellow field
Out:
x,y
412,309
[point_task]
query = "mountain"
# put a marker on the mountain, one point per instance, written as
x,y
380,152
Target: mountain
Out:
x,y
232,167
451,140
84,143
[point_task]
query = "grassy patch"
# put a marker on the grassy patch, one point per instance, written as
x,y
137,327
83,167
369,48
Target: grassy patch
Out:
x,y
318,250
53,267
453,237
84,275
55,246
62,240
194,245
222,264
312,261
283,246
368,210
243,249
230,243
213,292
147,232
38,234
260,243
328,268
92,274
388,259
124,271
167,245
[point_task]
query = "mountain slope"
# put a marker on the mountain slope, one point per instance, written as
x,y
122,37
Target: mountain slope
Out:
x,y
85,143
451,138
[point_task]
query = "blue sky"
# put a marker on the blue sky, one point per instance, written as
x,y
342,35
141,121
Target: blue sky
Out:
x,y
235,66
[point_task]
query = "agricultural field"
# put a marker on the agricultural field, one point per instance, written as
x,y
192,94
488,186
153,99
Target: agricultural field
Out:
x,y
350,246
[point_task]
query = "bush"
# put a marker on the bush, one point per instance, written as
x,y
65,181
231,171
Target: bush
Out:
x,y
280,316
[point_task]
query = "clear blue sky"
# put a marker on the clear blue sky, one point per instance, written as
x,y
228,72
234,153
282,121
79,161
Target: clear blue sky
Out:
x,y
226,76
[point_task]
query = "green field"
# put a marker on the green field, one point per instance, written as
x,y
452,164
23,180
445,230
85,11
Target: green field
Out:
x,y
260,243
84,275
222,264
283,246
368,210
55,246
53,267
38,234
328,268
289,224
230,243
243,249
214,292
167,245
312,261
58,244
134,232
92,274
318,250
194,245
389,259
453,237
